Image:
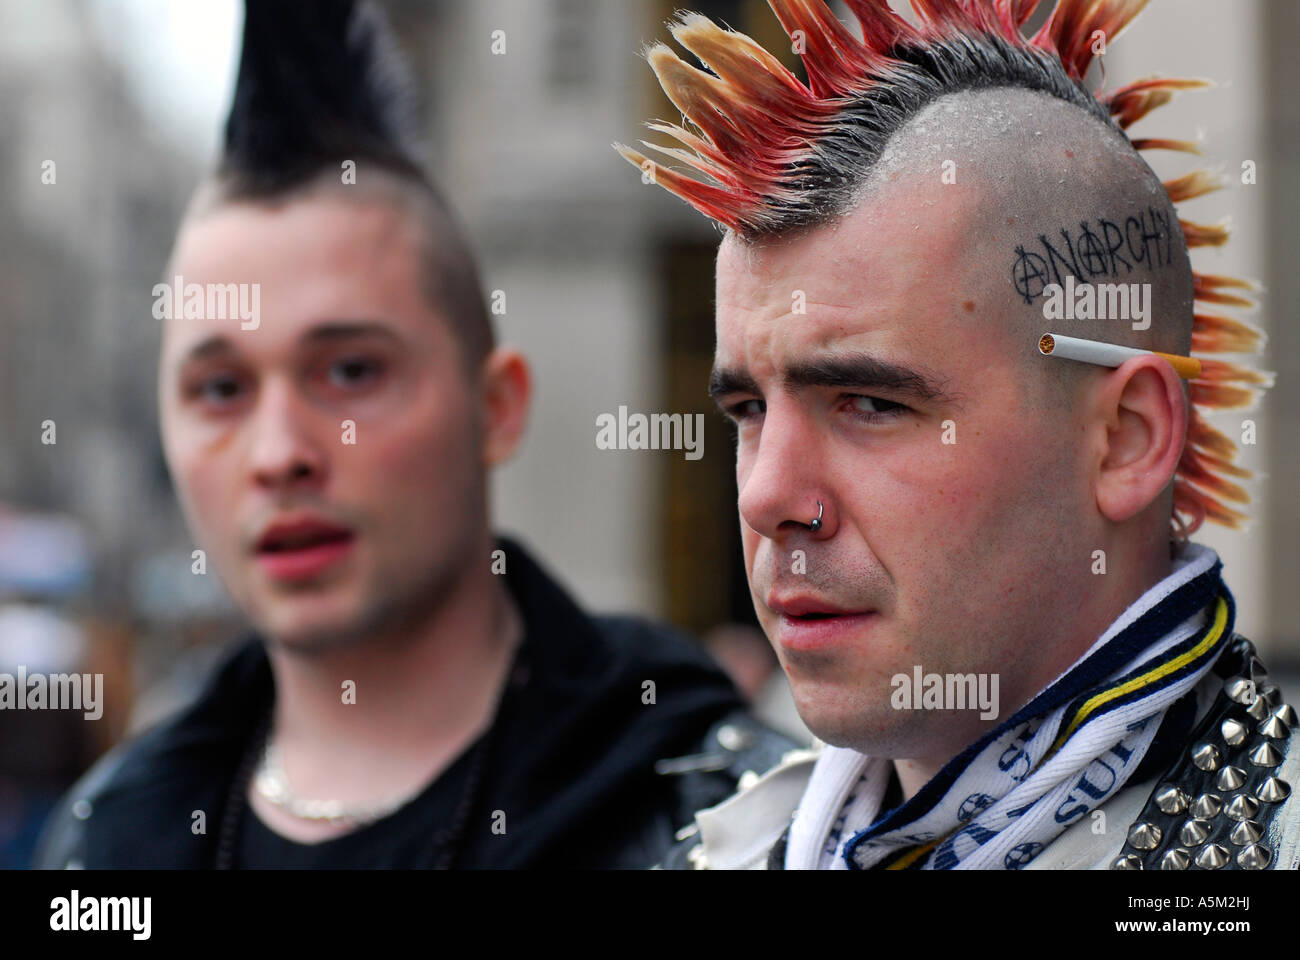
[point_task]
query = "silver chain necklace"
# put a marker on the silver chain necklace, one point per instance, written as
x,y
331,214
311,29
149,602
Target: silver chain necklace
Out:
x,y
271,782
273,785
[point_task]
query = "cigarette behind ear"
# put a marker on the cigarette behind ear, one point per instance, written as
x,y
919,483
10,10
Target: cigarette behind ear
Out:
x,y
1110,354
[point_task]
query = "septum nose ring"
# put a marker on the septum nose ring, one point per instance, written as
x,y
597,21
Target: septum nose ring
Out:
x,y
817,522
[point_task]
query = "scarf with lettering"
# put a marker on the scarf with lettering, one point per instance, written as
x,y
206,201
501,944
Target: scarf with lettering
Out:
x,y
998,803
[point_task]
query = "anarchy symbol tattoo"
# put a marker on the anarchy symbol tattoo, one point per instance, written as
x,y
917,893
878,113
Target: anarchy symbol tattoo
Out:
x,y
1029,274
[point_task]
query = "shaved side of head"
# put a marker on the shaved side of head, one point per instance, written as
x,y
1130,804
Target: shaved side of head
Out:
x,y
1047,191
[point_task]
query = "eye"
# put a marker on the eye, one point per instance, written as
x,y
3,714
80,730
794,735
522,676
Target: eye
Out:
x,y
219,390
873,409
745,410
349,372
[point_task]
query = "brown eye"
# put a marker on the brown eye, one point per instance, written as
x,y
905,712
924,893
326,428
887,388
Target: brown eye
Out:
x,y
352,372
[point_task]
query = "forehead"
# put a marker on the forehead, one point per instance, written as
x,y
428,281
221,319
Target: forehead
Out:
x,y
318,258
899,271
926,258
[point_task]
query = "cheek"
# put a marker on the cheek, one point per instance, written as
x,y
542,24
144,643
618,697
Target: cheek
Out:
x,y
750,543
921,491
205,489
417,462
201,458
969,518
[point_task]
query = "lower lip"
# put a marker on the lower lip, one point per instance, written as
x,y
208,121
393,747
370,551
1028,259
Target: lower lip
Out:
x,y
306,562
795,633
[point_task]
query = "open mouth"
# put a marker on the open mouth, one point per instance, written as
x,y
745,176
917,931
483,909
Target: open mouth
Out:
x,y
303,549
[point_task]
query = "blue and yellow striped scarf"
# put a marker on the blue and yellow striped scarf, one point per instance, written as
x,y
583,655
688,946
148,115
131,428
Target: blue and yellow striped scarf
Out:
x,y
1115,717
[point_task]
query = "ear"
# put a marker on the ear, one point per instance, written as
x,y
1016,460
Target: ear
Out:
x,y
507,394
1145,410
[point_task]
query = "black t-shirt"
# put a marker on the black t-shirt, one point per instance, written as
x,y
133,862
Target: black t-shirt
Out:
x,y
414,836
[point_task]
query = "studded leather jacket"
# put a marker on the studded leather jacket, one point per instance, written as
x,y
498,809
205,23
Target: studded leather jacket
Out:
x,y
1223,805
1226,802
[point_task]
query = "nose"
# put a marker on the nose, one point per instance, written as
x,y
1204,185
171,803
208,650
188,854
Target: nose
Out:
x,y
782,483
285,452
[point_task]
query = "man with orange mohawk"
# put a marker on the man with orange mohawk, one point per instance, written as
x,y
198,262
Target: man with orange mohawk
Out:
x,y
955,309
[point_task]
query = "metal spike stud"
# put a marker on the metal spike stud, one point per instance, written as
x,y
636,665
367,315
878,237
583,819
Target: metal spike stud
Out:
x,y
1206,756
1260,708
1286,713
1171,800
1194,832
1176,859
1265,755
1273,695
1234,732
1274,790
1246,832
1127,862
1230,778
1240,690
1144,836
1242,807
1207,806
1255,857
1274,728
1212,857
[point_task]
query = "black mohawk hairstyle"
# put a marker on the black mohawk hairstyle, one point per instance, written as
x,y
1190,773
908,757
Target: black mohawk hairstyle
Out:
x,y
319,82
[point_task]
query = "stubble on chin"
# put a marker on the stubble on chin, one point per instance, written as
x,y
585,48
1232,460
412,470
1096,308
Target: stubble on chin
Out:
x,y
297,622
858,722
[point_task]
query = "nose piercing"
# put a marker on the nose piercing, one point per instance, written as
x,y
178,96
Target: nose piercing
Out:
x,y
817,523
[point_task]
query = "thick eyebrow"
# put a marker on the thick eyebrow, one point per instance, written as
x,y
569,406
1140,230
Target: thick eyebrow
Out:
x,y
723,381
859,371
863,371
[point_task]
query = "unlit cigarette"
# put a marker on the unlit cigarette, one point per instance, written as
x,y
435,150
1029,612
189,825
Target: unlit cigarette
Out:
x,y
1110,354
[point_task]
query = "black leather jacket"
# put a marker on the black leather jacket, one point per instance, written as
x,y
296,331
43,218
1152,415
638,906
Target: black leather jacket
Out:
x,y
592,775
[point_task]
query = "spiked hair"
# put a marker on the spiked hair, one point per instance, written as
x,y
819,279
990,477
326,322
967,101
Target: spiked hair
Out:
x,y
782,154
322,83
317,84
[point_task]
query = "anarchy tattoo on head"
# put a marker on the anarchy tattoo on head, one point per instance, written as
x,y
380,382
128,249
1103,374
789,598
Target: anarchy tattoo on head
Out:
x,y
918,196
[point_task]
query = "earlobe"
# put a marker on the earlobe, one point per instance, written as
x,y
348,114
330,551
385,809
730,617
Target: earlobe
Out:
x,y
507,394
1146,412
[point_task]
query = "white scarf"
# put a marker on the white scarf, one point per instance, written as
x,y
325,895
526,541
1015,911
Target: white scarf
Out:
x,y
1002,800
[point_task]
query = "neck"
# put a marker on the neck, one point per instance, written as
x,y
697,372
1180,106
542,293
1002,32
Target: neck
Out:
x,y
1104,599
422,693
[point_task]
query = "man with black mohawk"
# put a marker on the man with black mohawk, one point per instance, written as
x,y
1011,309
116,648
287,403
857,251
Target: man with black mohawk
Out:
x,y
419,694
954,313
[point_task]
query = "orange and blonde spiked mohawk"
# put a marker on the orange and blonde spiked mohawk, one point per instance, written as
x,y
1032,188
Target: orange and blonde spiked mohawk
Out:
x,y
777,155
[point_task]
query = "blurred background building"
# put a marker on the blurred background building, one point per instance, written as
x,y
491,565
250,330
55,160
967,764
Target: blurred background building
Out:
x,y
608,287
